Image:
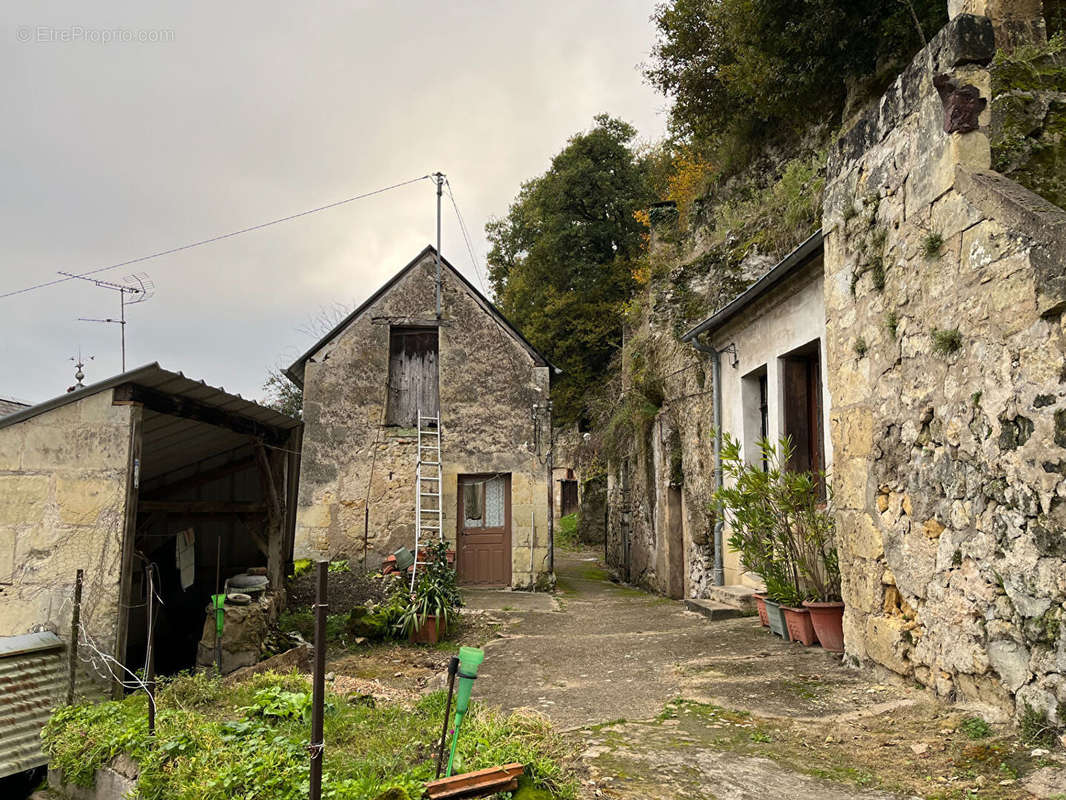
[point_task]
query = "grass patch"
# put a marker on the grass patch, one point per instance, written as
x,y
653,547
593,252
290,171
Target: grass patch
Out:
x,y
932,245
250,741
566,533
975,727
946,341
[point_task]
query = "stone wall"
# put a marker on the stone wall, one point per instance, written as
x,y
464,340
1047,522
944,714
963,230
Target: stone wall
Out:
x,y
944,294
489,384
63,483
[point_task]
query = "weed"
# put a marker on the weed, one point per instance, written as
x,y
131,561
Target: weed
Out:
x,y
1037,730
850,212
854,283
760,736
975,398
340,565
189,690
861,348
932,244
975,727
946,341
892,323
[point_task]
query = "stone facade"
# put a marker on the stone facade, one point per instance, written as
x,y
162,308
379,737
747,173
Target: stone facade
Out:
x,y
949,421
489,383
63,480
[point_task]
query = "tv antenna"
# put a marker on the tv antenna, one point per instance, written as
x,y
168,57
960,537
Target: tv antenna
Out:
x,y
79,371
134,289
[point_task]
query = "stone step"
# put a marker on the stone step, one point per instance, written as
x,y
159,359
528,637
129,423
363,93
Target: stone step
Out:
x,y
712,610
742,597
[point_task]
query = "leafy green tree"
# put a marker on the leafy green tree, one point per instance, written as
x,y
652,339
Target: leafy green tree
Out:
x,y
749,67
562,260
283,395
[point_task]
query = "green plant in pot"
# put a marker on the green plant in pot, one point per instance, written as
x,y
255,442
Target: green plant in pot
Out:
x,y
435,600
780,526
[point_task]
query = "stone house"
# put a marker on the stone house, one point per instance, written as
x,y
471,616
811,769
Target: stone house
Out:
x,y
399,356
769,343
105,478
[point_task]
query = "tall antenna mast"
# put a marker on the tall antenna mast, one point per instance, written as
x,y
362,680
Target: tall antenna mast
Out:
x,y
139,287
438,178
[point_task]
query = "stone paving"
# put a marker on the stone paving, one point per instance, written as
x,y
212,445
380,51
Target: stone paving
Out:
x,y
662,703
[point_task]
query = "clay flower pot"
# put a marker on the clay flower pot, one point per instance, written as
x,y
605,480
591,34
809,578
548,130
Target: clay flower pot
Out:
x,y
800,628
776,617
429,633
828,621
760,604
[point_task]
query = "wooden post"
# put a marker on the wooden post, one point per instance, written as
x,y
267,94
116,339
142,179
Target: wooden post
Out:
x,y
319,681
75,625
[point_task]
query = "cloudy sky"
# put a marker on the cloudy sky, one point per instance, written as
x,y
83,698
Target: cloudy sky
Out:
x,y
231,114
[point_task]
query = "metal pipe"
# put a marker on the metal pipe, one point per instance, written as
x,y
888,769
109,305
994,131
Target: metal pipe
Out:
x,y
532,540
551,492
439,177
318,686
716,389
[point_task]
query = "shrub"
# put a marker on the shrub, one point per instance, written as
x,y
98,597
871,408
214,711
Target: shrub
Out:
x,y
932,244
779,523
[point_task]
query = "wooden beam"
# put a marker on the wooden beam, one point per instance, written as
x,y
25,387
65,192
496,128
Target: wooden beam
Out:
x,y
187,408
202,507
267,476
200,478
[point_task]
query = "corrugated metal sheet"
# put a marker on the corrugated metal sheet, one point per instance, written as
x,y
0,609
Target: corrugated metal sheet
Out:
x,y
33,674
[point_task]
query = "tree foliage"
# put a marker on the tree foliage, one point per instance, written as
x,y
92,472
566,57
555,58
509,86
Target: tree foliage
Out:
x,y
562,260
747,67
283,395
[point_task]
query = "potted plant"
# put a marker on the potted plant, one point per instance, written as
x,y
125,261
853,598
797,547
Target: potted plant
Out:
x,y
435,600
821,570
781,529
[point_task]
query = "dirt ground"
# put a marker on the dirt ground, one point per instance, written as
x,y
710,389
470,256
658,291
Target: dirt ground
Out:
x,y
662,703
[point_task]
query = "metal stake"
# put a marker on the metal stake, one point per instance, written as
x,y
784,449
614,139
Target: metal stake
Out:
x,y
149,667
318,686
217,605
453,667
75,624
439,178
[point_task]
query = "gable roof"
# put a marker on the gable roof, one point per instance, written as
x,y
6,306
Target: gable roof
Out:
x,y
797,259
295,371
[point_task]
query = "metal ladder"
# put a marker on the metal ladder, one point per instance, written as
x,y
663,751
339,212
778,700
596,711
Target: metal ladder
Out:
x,y
428,511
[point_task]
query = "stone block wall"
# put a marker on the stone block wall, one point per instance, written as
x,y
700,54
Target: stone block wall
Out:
x,y
489,384
949,421
63,483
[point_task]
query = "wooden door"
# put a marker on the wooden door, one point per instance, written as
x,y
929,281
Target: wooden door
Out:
x,y
483,549
413,376
570,500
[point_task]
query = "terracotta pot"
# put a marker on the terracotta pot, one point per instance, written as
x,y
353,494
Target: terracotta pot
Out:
x,y
776,617
800,627
429,633
760,604
828,621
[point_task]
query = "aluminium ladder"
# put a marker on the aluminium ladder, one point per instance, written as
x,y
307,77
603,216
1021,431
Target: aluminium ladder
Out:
x,y
428,483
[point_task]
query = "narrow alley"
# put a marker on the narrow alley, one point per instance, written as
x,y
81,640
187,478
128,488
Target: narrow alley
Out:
x,y
663,703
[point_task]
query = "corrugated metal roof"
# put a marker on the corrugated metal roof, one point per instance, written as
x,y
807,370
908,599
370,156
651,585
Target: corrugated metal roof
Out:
x,y
152,376
10,406
32,677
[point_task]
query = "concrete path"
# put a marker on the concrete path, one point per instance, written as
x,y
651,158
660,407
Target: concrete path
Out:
x,y
616,667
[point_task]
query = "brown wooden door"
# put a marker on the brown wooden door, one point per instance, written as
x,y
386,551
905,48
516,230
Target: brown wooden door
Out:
x,y
483,551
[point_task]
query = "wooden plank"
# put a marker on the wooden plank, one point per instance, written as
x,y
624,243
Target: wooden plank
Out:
x,y
481,783
202,507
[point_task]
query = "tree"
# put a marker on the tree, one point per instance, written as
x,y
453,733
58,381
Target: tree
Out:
x,y
283,395
748,67
561,262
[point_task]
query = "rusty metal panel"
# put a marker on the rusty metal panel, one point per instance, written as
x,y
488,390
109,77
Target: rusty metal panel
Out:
x,y
32,677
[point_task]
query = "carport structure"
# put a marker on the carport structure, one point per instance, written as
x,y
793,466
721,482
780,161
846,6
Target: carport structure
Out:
x,y
105,479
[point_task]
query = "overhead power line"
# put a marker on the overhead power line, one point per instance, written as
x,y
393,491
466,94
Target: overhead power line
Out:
x,y
466,238
218,238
